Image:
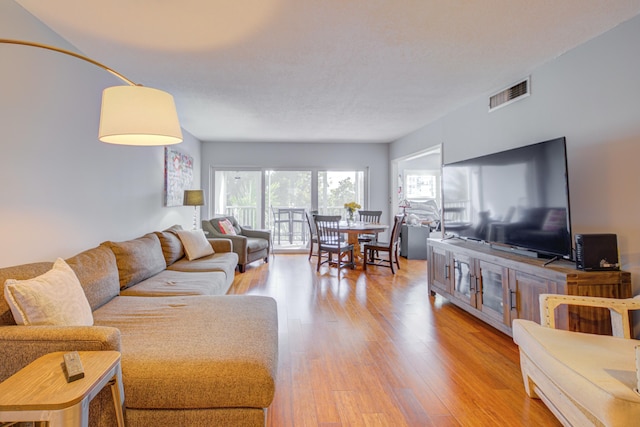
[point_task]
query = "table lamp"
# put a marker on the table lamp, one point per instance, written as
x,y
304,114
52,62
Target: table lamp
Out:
x,y
194,198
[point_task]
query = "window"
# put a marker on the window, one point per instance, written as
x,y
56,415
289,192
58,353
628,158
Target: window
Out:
x,y
239,193
335,188
255,196
421,185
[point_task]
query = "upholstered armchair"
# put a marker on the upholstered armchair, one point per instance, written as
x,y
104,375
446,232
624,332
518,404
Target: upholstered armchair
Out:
x,y
584,379
250,245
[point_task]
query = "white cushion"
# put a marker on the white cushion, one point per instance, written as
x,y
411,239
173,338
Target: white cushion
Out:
x,y
195,244
53,298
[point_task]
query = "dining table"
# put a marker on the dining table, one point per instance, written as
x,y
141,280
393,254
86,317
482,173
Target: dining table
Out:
x,y
354,228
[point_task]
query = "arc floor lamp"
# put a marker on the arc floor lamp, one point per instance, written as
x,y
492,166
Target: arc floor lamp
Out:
x,y
130,115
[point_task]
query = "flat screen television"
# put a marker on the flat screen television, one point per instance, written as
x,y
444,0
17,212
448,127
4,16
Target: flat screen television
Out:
x,y
516,199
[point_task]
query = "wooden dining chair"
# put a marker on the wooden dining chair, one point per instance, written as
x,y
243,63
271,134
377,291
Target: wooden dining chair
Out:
x,y
297,221
372,250
331,242
368,216
313,232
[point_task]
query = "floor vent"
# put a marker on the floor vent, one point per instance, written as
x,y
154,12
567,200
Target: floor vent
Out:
x,y
510,95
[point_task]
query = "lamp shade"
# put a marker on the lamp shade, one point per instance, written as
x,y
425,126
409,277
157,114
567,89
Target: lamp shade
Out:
x,y
193,198
138,115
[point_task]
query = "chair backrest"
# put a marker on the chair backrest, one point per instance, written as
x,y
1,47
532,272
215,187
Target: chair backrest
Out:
x,y
369,216
280,215
215,223
395,232
313,232
328,229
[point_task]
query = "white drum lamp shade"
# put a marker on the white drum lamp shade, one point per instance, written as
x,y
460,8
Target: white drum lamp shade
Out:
x,y
138,115
130,115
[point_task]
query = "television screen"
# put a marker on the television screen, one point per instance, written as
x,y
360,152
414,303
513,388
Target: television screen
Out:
x,y
517,198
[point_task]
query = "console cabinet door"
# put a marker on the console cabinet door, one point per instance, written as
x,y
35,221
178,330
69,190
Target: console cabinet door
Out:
x,y
494,284
464,280
524,297
439,270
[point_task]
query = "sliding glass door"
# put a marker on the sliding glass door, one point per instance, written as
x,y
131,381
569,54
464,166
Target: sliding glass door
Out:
x,y
278,199
287,198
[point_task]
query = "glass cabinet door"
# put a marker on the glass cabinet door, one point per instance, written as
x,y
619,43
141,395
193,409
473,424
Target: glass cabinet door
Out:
x,y
464,279
493,285
439,269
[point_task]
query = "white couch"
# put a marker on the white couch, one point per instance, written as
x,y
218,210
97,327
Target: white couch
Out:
x,y
584,379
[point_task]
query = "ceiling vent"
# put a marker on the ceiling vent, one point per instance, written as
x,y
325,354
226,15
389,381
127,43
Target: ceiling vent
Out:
x,y
507,96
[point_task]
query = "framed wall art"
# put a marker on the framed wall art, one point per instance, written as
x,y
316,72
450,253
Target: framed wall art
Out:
x,y
178,175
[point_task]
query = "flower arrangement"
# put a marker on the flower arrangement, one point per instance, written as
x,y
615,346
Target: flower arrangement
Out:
x,y
351,208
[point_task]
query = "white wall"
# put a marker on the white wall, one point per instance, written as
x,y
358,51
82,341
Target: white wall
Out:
x,y
291,155
61,190
590,95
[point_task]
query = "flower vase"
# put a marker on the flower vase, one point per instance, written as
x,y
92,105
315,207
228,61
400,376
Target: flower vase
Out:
x,y
350,219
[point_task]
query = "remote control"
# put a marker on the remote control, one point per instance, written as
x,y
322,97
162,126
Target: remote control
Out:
x,y
73,366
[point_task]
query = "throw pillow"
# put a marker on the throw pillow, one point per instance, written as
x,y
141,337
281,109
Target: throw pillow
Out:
x,y
195,244
226,227
53,298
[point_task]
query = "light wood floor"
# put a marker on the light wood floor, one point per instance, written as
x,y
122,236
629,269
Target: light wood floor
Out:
x,y
376,350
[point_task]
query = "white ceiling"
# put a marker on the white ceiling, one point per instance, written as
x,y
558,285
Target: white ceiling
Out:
x,y
325,70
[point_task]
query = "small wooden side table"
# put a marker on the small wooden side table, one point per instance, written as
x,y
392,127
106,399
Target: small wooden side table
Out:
x,y
39,392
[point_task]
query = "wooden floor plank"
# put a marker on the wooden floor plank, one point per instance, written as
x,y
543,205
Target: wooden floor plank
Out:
x,y
375,349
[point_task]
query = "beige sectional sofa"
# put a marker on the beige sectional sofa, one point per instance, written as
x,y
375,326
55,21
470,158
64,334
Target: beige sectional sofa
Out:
x,y
191,355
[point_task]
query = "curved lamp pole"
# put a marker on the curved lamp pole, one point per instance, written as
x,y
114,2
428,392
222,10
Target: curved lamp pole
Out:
x,y
130,115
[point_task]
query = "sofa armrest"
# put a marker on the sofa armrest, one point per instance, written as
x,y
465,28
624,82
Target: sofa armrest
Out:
x,y
262,234
220,244
21,345
619,309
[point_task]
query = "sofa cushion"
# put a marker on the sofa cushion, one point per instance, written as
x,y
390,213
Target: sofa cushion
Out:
x,y
138,259
195,244
225,262
255,244
598,372
97,271
175,283
172,248
53,298
196,352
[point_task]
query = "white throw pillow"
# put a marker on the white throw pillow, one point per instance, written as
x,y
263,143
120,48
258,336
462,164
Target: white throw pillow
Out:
x,y
195,243
53,298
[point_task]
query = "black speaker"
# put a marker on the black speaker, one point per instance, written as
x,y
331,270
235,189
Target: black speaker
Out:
x,y
596,252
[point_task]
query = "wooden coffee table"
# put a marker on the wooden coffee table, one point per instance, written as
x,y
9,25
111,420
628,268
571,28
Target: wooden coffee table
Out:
x,y
40,392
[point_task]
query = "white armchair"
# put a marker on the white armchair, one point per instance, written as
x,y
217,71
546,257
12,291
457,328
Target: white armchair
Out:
x,y
584,379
